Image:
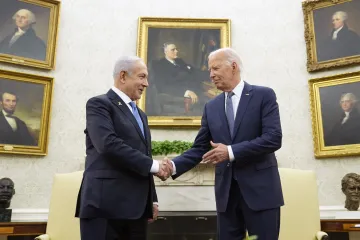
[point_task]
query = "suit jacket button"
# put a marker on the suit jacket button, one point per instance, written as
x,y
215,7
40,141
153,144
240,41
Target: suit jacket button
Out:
x,y
228,164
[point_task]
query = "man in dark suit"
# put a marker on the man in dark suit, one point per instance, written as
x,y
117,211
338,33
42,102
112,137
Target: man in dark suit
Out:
x,y
240,131
23,42
13,131
177,82
347,128
117,195
343,42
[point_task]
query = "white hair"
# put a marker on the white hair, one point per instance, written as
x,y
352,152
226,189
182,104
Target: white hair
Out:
x,y
125,63
230,55
29,14
348,96
342,15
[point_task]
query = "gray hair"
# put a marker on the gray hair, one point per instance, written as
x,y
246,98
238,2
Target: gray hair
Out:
x,y
343,15
230,54
126,64
29,14
165,45
348,96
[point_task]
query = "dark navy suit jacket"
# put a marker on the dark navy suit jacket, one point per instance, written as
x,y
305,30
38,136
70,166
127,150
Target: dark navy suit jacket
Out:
x,y
257,136
117,183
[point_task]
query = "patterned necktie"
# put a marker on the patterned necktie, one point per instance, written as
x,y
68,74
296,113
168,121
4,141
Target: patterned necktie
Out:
x,y
230,113
137,116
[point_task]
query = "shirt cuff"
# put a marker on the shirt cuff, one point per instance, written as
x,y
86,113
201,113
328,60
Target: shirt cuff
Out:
x,y
156,203
155,167
174,169
231,154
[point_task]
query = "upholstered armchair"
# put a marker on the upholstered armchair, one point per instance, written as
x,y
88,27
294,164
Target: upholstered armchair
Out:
x,y
300,217
61,221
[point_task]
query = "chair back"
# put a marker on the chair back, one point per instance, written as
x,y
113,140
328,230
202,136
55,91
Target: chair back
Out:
x,y
61,221
300,216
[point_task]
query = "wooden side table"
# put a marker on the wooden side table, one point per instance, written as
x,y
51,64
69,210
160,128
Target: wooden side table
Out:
x,y
22,228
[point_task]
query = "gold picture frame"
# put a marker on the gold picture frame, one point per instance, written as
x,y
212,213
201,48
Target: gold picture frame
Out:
x,y
33,43
335,115
165,100
331,44
25,113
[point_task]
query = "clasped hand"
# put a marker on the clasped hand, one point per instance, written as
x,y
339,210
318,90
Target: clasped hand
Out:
x,y
165,169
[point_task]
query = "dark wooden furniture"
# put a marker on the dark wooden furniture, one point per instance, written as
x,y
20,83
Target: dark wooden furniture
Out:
x,y
22,228
183,225
340,225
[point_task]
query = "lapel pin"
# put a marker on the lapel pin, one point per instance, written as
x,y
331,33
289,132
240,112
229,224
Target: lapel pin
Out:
x,y
119,103
247,94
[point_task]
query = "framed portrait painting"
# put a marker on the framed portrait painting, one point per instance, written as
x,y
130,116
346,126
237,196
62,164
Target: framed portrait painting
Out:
x,y
176,52
332,33
25,112
28,32
336,115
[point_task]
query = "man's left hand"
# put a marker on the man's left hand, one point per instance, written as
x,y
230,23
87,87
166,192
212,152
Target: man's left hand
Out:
x,y
218,154
155,213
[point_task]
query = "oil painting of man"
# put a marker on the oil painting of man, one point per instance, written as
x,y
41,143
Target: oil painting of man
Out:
x,y
337,31
24,33
20,113
180,82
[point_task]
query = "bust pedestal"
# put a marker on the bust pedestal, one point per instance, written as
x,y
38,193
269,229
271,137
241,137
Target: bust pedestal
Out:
x,y
5,215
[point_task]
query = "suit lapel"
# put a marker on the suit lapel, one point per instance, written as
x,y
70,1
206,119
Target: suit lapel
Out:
x,y
5,125
244,101
115,99
220,104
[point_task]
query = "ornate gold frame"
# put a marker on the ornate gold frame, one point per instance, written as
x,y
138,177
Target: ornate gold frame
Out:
x,y
142,46
49,62
312,63
42,147
320,150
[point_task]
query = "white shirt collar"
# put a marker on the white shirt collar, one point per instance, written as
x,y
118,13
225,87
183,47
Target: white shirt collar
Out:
x,y
336,33
238,89
5,113
21,31
122,95
172,61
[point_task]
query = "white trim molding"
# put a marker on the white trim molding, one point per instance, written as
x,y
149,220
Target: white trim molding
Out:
x,y
29,215
338,212
41,215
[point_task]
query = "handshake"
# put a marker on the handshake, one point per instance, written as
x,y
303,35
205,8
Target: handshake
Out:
x,y
165,169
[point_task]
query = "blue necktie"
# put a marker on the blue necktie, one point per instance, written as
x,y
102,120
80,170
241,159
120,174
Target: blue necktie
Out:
x,y
230,113
137,116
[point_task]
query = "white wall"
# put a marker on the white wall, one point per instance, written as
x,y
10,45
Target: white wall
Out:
x,y
94,33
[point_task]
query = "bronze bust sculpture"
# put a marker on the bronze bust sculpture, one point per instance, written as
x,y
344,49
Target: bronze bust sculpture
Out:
x,y
7,191
350,186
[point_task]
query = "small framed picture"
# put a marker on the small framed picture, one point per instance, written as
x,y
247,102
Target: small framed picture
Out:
x,y
332,33
28,32
336,115
25,113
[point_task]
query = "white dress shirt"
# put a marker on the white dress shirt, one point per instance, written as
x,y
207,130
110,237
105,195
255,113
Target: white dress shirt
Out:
x,y
16,36
155,166
345,118
334,36
235,101
10,120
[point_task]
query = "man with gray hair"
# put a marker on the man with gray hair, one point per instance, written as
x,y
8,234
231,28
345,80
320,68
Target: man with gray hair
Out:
x,y
347,129
240,131
23,42
117,195
342,42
